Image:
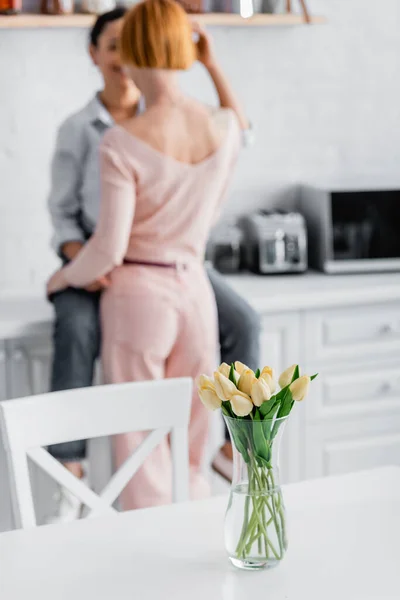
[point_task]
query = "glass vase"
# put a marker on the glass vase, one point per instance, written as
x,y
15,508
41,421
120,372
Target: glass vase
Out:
x,y
255,522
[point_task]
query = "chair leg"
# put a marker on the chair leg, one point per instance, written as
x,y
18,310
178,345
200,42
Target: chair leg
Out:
x,y
306,13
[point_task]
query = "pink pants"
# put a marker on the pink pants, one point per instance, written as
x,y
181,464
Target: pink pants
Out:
x,y
159,323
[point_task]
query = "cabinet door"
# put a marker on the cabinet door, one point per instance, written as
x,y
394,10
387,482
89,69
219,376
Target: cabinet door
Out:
x,y
3,380
5,504
29,362
353,445
355,390
342,334
280,338
29,366
280,348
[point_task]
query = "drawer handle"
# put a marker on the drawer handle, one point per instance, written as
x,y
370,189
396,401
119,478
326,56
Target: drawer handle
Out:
x,y
386,329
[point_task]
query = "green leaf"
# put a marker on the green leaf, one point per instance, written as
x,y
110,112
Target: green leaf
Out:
x,y
296,373
240,439
284,409
227,409
232,374
224,410
268,422
257,414
314,376
286,404
268,407
258,373
261,447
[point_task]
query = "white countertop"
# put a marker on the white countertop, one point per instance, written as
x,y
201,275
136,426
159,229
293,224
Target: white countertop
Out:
x,y
24,315
28,314
343,545
277,293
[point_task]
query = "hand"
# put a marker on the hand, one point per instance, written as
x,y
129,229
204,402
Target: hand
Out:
x,y
100,284
71,249
205,47
57,282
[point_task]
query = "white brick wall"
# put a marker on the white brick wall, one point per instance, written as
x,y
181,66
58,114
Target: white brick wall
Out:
x,y
325,102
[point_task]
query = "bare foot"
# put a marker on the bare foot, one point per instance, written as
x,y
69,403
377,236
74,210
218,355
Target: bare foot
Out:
x,y
227,451
75,468
222,463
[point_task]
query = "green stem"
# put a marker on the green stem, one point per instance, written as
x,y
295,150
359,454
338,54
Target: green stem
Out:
x,y
275,512
248,526
266,527
255,525
255,537
243,535
263,530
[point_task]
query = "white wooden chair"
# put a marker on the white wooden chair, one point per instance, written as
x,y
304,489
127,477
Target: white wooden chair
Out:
x,y
28,424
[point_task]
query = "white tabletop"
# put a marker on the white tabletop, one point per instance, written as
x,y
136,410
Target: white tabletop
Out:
x,y
343,545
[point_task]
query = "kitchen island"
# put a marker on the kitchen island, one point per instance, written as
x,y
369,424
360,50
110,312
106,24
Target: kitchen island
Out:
x,y
345,327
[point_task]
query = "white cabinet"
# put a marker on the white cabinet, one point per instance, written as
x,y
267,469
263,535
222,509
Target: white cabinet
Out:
x,y
28,366
350,332
280,340
5,506
280,348
24,371
352,445
354,390
353,412
3,381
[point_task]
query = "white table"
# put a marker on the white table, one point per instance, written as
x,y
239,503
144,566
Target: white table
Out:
x,y
344,545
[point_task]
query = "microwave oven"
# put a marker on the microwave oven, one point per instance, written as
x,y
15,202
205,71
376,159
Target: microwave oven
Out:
x,y
352,231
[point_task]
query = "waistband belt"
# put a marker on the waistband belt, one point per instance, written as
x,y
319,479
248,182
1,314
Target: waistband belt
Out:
x,y
178,266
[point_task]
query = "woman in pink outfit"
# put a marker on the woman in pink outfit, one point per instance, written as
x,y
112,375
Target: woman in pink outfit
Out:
x,y
164,175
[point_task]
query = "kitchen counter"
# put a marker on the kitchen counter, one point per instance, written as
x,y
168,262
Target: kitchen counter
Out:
x,y
24,314
277,293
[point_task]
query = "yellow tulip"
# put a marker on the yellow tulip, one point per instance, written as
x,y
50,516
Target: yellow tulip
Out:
x,y
206,382
241,405
268,375
287,376
225,369
299,388
207,393
246,380
260,392
224,387
210,399
240,367
268,370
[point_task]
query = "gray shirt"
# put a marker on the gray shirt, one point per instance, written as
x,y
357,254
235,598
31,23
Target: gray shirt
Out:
x,y
74,200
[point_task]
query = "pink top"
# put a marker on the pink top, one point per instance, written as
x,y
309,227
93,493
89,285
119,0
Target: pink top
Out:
x,y
153,207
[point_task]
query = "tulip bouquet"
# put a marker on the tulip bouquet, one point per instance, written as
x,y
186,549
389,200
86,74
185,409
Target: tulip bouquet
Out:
x,y
255,411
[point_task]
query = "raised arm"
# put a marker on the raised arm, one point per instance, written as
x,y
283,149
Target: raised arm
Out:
x,y
226,95
107,247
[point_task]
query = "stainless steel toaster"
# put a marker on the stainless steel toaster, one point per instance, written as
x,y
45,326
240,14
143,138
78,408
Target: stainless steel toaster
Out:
x,y
274,242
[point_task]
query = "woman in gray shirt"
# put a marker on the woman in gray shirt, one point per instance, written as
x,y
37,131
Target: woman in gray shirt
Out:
x,y
74,205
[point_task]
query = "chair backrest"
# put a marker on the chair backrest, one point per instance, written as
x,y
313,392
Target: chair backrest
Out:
x,y
28,424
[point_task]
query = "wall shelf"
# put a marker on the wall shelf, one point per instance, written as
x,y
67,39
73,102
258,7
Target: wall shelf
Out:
x,y
27,21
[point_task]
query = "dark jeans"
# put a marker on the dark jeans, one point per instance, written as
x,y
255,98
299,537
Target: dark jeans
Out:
x,y
76,342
